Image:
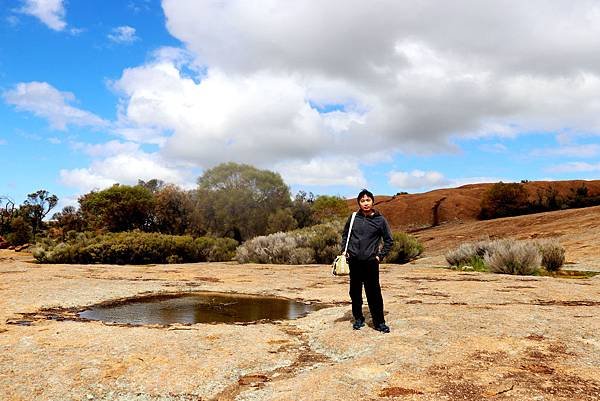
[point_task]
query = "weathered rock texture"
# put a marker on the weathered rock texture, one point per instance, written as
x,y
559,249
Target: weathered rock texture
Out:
x,y
455,336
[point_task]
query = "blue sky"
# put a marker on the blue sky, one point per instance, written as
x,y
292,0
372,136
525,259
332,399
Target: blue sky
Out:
x,y
409,96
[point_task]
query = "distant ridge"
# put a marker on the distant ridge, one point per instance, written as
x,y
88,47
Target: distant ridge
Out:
x,y
414,212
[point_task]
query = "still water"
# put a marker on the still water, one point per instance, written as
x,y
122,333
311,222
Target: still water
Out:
x,y
199,308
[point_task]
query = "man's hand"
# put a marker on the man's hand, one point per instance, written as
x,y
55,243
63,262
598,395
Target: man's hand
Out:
x,y
377,257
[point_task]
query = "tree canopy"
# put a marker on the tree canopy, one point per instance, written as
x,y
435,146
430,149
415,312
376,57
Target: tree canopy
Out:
x,y
36,207
118,208
238,199
326,208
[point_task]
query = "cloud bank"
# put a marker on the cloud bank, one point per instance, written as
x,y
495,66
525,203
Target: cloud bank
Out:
x,y
320,90
308,82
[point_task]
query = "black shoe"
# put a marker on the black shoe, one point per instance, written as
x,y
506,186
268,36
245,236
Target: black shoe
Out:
x,y
358,323
382,327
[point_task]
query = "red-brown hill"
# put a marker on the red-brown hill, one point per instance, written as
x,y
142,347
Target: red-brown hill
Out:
x,y
411,212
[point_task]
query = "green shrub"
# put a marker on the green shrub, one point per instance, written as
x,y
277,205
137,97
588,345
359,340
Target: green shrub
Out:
x,y
513,257
135,248
553,254
213,249
405,248
324,240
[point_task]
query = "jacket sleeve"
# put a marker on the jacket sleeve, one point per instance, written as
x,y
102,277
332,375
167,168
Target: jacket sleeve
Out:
x,y
388,241
345,235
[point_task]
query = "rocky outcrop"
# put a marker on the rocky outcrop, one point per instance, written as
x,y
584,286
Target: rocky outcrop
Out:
x,y
455,336
23,247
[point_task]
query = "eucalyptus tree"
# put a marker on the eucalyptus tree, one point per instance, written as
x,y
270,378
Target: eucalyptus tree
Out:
x,y
237,200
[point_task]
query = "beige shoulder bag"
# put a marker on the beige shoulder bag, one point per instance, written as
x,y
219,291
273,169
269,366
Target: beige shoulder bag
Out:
x,y
340,264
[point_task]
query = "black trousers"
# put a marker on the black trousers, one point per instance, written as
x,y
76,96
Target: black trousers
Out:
x,y
366,272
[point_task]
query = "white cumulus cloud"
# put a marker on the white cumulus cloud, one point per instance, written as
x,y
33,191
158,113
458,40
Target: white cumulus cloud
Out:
x,y
124,168
323,171
260,119
50,12
107,149
123,34
43,100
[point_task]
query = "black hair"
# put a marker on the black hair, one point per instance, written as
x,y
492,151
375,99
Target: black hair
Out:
x,y
363,193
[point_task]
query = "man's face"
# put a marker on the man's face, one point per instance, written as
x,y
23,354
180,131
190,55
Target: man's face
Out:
x,y
365,203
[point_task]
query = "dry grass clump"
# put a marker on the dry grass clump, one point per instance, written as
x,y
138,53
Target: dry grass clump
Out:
x,y
462,255
509,256
470,254
275,248
315,244
553,254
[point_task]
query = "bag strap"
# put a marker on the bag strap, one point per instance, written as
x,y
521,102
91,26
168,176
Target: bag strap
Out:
x,y
349,231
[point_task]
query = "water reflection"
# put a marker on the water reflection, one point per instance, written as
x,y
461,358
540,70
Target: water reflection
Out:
x,y
199,308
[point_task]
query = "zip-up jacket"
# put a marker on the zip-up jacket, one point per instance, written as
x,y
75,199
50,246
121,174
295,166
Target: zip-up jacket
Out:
x,y
366,234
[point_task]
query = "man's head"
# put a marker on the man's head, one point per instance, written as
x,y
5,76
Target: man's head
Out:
x,y
365,200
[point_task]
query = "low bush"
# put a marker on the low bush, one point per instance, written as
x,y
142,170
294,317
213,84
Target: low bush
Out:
x,y
510,256
470,254
135,248
274,248
405,248
314,244
324,240
553,254
462,255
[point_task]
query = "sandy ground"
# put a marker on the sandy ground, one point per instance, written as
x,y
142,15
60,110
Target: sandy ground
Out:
x,y
455,336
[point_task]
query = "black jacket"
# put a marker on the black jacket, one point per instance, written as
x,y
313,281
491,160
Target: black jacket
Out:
x,y
366,234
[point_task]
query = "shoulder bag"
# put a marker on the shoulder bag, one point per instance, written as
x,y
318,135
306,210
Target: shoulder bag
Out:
x,y
340,264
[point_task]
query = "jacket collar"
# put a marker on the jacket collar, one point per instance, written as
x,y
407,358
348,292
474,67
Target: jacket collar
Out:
x,y
374,212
